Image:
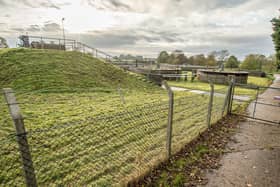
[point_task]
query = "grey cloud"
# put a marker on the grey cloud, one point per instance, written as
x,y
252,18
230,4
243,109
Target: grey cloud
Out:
x,y
230,3
114,5
109,39
33,28
242,40
17,29
170,37
190,43
47,28
33,4
129,37
117,4
238,45
179,7
2,2
40,3
202,5
51,27
195,26
214,4
48,4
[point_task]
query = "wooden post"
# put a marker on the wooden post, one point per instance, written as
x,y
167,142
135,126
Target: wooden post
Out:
x,y
170,119
210,105
14,109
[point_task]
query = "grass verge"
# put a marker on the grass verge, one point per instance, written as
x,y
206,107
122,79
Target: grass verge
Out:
x,y
186,167
197,85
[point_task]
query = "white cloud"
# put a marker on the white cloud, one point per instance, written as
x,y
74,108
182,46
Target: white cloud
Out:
x,y
147,27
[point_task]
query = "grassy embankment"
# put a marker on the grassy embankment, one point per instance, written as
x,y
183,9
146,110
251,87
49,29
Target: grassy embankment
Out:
x,y
80,130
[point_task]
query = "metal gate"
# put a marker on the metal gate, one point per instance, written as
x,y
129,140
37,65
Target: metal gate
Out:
x,y
264,102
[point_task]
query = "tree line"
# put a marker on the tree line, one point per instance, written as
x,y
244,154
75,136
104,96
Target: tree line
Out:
x,y
220,58
276,38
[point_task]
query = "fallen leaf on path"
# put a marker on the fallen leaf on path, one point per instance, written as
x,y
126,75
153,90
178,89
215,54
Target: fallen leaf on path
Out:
x,y
266,171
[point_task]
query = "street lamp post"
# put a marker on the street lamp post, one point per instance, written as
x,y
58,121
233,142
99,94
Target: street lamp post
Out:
x,y
63,33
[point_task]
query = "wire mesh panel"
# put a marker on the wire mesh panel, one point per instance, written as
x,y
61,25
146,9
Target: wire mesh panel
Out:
x,y
100,151
11,173
219,103
190,114
242,96
75,140
100,139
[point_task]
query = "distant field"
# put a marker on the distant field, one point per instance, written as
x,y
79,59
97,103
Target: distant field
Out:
x,y
197,85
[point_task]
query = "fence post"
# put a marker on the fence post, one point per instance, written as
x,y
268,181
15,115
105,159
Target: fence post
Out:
x,y
59,44
14,109
42,45
231,96
256,101
227,99
210,105
170,118
121,93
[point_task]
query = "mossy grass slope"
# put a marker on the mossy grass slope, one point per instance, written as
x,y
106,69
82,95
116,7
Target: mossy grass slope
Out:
x,y
31,69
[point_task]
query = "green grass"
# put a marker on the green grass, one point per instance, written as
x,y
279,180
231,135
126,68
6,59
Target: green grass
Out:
x,y
260,81
79,130
177,169
197,85
26,69
62,96
131,138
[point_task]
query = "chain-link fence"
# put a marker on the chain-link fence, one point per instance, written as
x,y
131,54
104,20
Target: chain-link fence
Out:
x,y
81,139
220,100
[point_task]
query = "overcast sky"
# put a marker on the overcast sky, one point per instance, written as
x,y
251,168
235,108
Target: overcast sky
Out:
x,y
146,27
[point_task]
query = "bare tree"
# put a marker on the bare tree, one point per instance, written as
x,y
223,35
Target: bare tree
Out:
x,y
220,55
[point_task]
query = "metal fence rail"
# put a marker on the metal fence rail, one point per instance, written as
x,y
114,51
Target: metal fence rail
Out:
x,y
72,147
261,102
39,42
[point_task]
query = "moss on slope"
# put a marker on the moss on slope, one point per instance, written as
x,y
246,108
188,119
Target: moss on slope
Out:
x,y
30,69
